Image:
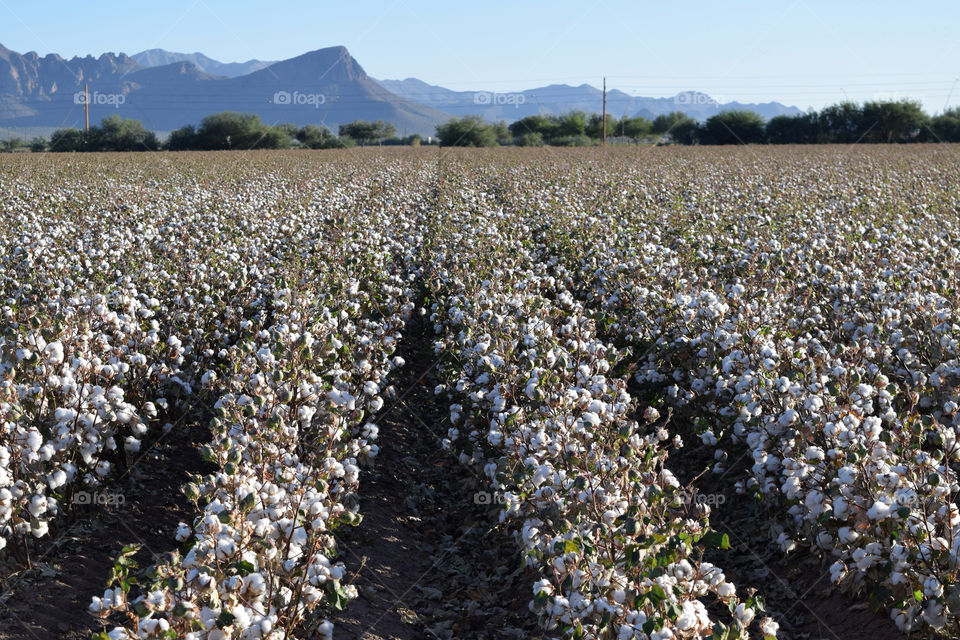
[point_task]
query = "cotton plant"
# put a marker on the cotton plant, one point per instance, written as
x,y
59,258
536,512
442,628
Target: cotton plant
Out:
x,y
830,361
537,407
303,368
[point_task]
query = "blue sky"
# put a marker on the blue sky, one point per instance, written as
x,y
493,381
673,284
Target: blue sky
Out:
x,y
806,53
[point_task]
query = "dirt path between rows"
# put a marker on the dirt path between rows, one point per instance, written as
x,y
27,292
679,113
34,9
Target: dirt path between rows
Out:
x,y
427,559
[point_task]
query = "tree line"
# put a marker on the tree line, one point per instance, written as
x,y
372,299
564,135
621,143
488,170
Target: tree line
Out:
x,y
219,131
844,123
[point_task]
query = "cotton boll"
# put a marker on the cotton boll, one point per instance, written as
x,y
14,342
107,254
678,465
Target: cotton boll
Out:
x,y
325,630
56,479
769,627
879,510
183,532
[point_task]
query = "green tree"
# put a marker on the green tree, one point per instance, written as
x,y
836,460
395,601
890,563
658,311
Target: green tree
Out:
x,y
313,137
667,122
182,139
732,127
893,121
945,127
502,133
545,126
469,131
573,123
594,127
368,132
38,144
799,129
63,140
636,128
230,130
12,144
529,140
122,134
841,123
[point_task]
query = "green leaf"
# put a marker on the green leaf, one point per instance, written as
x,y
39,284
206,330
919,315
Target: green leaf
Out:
x,y
716,540
225,619
656,595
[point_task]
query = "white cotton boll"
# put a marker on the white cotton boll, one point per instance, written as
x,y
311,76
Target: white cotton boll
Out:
x,y
837,571
299,537
40,529
57,479
325,630
131,444
370,431
847,535
789,417
54,353
37,506
769,627
590,418
879,510
64,415
744,614
183,532
208,378
241,617
726,590
371,388
34,440
254,585
786,543
542,586
687,619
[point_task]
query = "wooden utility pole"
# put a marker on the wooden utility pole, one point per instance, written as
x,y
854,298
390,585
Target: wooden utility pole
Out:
x,y
86,108
604,111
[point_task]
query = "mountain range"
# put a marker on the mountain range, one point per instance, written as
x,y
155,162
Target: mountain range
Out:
x,y
159,58
328,86
560,98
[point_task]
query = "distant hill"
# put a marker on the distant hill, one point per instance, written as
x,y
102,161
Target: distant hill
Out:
x,y
327,86
159,58
560,98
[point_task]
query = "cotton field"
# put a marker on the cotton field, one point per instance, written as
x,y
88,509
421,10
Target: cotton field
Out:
x,y
612,334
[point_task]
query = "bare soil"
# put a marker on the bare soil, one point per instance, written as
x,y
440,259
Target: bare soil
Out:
x,y
428,558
